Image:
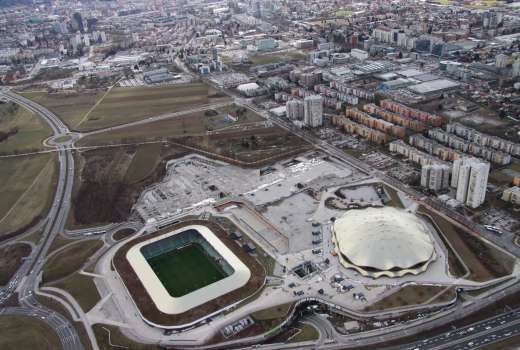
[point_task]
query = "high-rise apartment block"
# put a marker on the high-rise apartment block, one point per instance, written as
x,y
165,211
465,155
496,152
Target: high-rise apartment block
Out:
x,y
435,177
294,109
470,177
313,111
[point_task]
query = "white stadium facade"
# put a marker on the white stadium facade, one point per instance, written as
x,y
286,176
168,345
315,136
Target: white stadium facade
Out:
x,y
386,241
238,276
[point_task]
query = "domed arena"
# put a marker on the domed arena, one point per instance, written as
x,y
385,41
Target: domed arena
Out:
x,y
386,241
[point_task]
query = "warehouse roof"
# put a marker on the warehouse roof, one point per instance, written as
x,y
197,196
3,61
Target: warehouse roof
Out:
x,y
433,86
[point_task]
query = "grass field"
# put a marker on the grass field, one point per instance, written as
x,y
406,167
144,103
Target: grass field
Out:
x,y
143,163
27,186
483,260
27,333
413,295
111,338
31,131
82,288
277,57
69,260
123,105
184,270
70,107
306,333
11,257
35,201
192,124
33,237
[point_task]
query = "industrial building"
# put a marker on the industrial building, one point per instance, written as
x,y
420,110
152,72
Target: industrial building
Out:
x,y
470,177
159,76
249,89
434,88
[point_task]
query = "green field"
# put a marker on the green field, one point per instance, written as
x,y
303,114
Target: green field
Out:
x,y
143,162
192,124
82,288
184,270
69,260
123,105
27,186
268,58
31,130
24,333
70,107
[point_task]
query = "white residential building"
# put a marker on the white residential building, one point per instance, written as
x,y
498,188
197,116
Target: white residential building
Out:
x,y
295,110
435,177
313,111
512,195
470,177
516,68
501,60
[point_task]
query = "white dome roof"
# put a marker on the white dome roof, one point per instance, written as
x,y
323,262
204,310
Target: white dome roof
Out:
x,y
383,239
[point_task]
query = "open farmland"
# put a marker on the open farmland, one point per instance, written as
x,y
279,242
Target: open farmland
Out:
x,y
24,332
21,130
191,124
290,56
123,105
71,107
27,186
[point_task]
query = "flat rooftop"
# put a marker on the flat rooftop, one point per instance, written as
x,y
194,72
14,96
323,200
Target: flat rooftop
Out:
x,y
433,86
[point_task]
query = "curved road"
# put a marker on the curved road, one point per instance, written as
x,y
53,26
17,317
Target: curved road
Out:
x,y
27,278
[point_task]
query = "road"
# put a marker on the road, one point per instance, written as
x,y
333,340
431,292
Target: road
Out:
x,y
26,280
503,241
471,337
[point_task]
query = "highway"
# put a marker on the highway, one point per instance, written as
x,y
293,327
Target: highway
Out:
x,y
470,337
26,280
503,241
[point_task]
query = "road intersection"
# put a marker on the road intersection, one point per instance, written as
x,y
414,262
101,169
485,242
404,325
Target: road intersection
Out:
x,y
26,280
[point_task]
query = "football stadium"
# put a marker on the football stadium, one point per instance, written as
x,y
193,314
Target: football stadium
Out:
x,y
186,274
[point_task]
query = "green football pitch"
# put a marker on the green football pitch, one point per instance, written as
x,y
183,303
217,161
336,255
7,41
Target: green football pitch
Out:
x,y
184,270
